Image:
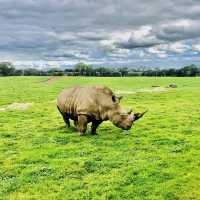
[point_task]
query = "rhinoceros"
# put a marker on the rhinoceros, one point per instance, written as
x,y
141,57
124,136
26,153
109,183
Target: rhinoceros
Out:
x,y
94,104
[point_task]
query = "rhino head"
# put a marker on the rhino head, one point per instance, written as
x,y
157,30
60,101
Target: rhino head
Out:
x,y
123,119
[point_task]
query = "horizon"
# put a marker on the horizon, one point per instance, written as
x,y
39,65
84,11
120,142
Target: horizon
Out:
x,y
63,33
115,68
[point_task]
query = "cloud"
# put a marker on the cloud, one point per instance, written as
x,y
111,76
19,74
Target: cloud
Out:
x,y
148,36
158,52
172,48
178,30
109,32
196,47
142,37
177,47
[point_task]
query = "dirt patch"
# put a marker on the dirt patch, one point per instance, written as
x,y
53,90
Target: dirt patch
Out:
x,y
51,79
150,90
154,89
16,106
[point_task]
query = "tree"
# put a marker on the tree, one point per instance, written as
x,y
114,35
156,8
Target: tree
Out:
x,y
55,72
103,71
84,69
123,71
6,69
191,70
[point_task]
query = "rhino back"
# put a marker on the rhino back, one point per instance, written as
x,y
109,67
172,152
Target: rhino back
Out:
x,y
85,100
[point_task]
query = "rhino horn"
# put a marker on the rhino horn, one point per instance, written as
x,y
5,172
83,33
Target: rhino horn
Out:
x,y
139,115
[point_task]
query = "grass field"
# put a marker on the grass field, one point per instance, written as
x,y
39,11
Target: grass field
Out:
x,y
159,158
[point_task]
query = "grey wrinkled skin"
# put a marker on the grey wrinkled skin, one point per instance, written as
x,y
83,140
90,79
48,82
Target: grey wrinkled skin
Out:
x,y
94,104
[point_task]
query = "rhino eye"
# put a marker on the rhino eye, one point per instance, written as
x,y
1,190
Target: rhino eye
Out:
x,y
114,99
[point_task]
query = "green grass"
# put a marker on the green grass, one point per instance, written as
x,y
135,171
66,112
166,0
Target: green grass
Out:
x,y
159,158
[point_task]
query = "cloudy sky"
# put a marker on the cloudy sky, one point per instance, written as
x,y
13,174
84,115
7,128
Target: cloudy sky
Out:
x,y
105,32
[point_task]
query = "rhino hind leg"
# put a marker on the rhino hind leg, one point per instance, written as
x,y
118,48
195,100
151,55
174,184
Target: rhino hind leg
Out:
x,y
82,124
95,124
76,123
66,119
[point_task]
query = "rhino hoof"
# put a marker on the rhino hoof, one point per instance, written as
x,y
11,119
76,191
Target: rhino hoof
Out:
x,y
94,133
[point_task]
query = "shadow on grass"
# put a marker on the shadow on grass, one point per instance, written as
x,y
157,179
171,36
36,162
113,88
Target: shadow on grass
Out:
x,y
63,129
103,133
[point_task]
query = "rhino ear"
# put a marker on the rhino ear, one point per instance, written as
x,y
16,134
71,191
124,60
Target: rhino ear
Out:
x,y
116,99
138,115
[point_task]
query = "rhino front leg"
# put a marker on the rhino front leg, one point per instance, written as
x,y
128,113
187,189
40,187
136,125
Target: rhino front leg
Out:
x,y
65,118
82,124
95,124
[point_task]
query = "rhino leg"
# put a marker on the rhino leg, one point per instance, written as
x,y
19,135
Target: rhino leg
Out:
x,y
76,123
65,118
82,124
95,124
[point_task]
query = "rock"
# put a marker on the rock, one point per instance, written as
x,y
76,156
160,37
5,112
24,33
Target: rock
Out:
x,y
172,85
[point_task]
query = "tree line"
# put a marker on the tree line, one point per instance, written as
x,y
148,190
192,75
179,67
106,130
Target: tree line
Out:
x,y
81,69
